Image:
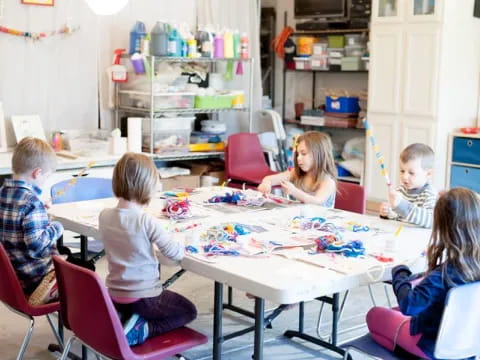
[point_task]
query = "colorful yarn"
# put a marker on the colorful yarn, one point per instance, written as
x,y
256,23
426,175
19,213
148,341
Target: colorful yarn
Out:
x,y
177,209
304,223
73,181
357,227
65,29
330,243
239,198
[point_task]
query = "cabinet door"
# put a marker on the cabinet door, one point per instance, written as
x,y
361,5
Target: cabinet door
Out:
x,y
422,43
424,10
417,130
388,11
385,130
385,69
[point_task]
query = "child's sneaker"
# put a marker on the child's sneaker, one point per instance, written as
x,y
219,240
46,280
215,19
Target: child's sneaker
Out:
x,y
136,330
46,291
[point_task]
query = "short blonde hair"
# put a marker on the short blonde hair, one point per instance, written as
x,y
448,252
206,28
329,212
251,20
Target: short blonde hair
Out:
x,y
134,178
419,151
32,153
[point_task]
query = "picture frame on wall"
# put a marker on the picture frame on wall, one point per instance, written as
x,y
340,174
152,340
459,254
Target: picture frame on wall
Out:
x,y
39,2
3,132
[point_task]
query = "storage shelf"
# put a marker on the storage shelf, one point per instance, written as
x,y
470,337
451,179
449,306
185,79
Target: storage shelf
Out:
x,y
298,123
329,31
189,60
179,110
330,71
187,155
453,163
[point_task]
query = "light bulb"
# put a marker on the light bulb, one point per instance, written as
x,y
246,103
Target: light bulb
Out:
x,y
106,7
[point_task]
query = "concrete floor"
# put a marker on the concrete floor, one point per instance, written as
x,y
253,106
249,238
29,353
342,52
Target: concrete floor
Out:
x,y
200,291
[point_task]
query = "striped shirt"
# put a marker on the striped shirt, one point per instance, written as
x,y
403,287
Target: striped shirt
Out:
x,y
26,233
416,206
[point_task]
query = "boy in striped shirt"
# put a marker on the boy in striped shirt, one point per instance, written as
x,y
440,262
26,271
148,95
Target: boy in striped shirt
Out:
x,y
413,201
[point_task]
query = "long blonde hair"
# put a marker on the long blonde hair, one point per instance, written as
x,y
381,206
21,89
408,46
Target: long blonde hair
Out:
x,y
455,237
323,163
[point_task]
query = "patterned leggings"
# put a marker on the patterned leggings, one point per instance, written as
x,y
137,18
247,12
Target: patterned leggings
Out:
x,y
164,313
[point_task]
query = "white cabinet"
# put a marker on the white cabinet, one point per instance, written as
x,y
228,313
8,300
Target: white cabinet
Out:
x,y
424,80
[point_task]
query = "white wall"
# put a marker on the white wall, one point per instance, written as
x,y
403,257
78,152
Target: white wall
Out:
x,y
55,77
58,78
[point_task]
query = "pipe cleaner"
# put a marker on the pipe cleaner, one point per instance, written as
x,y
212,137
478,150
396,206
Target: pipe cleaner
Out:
x,y
177,209
330,243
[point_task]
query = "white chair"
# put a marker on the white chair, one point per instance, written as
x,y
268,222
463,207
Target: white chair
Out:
x,y
458,334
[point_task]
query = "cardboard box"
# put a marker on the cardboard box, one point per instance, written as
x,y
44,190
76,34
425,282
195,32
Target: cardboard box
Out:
x,y
190,181
220,175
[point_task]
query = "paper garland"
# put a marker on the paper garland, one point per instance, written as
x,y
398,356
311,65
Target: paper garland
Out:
x,y
65,30
378,154
73,181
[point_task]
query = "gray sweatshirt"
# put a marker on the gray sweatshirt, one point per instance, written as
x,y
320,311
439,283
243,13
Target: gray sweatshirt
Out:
x,y
129,236
416,206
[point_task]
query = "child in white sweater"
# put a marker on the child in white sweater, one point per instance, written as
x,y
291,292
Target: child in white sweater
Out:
x,y
130,236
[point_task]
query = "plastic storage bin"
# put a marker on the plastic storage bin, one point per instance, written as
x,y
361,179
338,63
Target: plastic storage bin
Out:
x,y
354,50
353,39
319,62
214,102
352,63
169,134
336,41
302,63
342,104
162,101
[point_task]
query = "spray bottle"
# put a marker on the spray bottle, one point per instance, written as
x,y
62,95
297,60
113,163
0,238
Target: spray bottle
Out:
x,y
119,72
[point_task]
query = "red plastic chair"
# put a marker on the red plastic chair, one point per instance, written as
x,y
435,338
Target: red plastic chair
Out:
x,y
351,197
89,312
12,295
244,160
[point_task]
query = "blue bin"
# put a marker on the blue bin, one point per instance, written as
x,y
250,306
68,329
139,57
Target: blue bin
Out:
x,y
342,104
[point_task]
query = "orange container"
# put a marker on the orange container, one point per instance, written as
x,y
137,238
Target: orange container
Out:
x,y
305,46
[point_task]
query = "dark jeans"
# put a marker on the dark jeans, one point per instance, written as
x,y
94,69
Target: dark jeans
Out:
x,y
166,312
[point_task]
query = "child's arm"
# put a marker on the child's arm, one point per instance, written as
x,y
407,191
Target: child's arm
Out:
x,y
40,235
273,180
170,248
414,300
417,214
325,190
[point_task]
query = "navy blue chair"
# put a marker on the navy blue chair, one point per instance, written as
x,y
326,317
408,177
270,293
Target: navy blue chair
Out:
x,y
457,336
85,188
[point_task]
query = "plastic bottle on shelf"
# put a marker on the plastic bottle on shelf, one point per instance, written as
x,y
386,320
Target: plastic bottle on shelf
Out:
x,y
174,45
192,48
205,43
137,33
244,53
159,39
228,51
218,46
236,44
146,45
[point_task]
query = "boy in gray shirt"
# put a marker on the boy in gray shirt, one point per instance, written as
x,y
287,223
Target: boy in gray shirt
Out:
x,y
413,201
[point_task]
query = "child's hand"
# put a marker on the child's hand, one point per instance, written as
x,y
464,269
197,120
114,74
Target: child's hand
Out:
x,y
394,198
265,187
48,203
288,188
384,209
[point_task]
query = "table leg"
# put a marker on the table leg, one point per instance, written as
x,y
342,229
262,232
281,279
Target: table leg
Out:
x,y
335,316
217,321
259,328
83,247
301,316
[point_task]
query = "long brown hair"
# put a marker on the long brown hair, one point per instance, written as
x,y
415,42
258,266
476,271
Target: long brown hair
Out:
x,y
323,164
455,237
